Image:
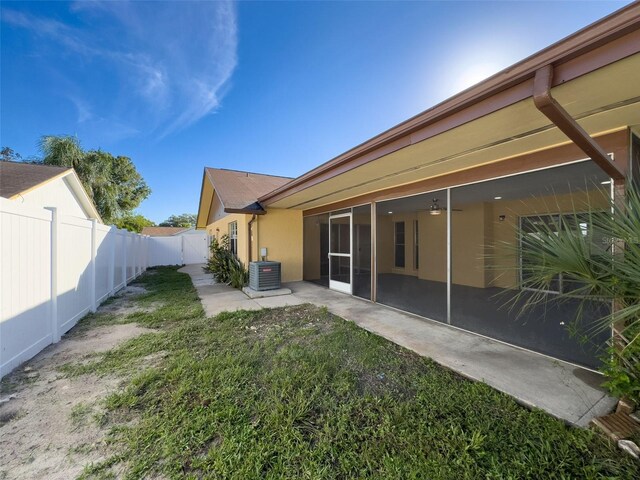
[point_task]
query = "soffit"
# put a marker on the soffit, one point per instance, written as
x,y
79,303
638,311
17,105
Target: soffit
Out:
x,y
604,100
206,197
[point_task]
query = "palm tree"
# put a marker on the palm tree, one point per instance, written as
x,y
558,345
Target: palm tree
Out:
x,y
598,256
113,183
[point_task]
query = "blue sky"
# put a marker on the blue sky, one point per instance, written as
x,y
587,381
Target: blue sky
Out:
x,y
275,87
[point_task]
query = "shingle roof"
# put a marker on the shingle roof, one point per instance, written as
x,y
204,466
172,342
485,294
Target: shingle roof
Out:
x,y
239,190
17,177
162,231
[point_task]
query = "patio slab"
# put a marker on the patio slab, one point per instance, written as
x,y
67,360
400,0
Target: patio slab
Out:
x,y
282,301
566,391
251,293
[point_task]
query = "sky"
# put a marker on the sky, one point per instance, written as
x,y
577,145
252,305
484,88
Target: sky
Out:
x,y
268,87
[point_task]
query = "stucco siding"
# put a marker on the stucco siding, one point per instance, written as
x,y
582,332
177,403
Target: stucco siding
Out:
x,y
221,227
280,231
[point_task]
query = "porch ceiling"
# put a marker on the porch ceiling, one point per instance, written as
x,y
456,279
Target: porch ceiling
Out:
x,y
602,101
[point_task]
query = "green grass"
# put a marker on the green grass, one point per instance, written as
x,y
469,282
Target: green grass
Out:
x,y
299,393
80,413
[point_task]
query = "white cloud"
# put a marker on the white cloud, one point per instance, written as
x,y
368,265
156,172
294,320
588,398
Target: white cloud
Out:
x,y
82,108
162,66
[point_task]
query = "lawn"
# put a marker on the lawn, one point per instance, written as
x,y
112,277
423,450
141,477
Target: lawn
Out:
x,y
300,393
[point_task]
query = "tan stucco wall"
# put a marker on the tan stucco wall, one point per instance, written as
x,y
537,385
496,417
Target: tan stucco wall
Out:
x,y
468,268
504,237
386,238
311,248
280,231
484,250
468,244
221,227
433,247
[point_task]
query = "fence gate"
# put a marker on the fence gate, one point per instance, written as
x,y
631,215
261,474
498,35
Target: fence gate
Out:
x,y
195,248
186,249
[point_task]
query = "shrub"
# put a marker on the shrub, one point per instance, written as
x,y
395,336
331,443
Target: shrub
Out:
x,y
226,266
622,366
612,276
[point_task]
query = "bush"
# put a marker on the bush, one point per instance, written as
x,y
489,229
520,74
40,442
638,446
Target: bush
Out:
x,y
602,264
225,266
622,365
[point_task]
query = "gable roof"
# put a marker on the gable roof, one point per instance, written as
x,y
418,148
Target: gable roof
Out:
x,y
236,190
18,177
163,231
239,191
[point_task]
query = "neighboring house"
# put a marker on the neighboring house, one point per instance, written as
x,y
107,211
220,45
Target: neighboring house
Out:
x,y
163,231
229,205
46,186
425,217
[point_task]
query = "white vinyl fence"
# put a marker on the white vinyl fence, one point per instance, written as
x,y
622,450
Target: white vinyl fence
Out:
x,y
54,269
186,249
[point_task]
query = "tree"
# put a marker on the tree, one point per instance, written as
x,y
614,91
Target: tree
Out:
x,y
598,256
7,154
185,220
113,183
134,223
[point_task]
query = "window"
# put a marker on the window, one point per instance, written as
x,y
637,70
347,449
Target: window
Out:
x,y
399,244
416,250
233,237
553,223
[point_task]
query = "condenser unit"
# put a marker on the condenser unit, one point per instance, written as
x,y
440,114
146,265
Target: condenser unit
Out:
x,y
264,275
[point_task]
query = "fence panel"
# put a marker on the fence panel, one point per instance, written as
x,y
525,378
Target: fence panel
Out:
x,y
131,255
105,242
55,268
165,250
25,283
120,259
74,271
195,247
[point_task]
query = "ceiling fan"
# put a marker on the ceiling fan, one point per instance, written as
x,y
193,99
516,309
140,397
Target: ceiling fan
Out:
x,y
436,209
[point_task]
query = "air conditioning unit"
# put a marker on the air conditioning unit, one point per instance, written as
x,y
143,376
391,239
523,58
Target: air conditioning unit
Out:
x,y
264,275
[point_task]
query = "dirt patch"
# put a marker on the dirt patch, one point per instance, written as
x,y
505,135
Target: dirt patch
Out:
x,y
124,302
50,424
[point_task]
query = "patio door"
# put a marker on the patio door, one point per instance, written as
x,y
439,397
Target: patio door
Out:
x,y
340,259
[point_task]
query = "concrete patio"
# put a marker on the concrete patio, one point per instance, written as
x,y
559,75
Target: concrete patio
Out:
x,y
565,391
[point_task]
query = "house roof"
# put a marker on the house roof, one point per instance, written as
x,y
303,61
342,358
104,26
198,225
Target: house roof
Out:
x,y
163,231
236,191
19,177
498,106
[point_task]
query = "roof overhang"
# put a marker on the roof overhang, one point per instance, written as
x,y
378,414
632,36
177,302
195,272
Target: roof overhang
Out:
x,y
85,200
62,174
596,74
253,209
75,184
206,197
207,193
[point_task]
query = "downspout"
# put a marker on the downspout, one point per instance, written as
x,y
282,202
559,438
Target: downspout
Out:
x,y
550,108
253,219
